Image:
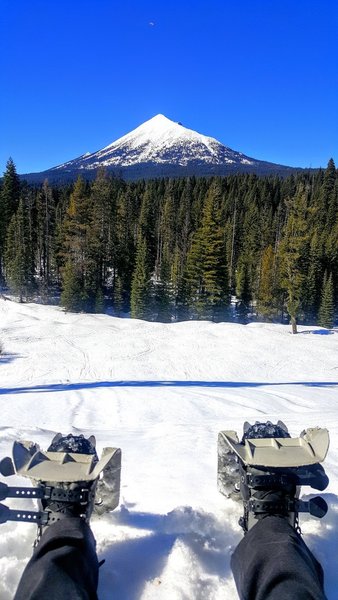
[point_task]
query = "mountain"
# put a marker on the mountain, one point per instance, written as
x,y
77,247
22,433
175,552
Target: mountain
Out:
x,y
161,148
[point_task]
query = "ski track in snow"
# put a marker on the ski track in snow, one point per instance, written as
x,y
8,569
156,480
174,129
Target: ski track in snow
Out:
x,y
162,393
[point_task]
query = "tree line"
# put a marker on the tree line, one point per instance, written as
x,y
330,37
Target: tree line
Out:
x,y
221,248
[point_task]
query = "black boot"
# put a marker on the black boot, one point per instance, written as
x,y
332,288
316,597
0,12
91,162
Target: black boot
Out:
x,y
70,499
275,490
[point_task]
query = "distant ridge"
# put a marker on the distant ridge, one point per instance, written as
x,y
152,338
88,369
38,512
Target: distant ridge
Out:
x,y
161,148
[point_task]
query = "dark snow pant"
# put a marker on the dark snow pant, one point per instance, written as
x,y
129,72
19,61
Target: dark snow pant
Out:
x,y
64,565
271,563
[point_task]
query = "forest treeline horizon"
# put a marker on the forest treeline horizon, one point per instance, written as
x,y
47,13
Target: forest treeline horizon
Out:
x,y
239,247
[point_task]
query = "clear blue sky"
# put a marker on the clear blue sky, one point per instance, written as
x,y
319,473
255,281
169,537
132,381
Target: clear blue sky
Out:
x,y
259,75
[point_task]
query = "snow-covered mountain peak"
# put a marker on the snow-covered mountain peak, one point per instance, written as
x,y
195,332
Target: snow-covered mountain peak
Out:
x,y
160,141
161,132
162,147
160,124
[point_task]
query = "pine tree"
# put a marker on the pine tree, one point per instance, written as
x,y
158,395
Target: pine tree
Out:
x,y
146,224
175,287
99,301
9,201
293,255
118,300
331,250
72,288
206,271
164,298
243,291
140,289
161,289
45,217
249,256
101,238
326,309
314,278
76,251
266,304
17,255
125,248
328,205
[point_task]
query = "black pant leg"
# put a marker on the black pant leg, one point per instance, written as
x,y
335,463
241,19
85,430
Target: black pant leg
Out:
x,y
272,562
64,565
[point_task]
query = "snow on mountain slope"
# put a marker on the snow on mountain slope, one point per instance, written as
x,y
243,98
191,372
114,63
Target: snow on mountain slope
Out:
x,y
160,140
162,392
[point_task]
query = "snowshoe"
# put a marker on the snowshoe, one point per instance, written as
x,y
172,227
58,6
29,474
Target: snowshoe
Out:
x,y
266,469
68,479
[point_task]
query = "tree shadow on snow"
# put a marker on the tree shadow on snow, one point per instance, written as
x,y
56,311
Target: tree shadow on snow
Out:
x,y
131,563
319,331
67,387
8,357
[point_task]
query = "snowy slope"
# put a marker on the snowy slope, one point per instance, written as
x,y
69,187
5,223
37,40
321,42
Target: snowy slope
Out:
x,y
159,140
162,392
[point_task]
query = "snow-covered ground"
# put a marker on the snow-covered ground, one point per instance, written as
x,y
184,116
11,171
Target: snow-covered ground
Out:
x,y
162,392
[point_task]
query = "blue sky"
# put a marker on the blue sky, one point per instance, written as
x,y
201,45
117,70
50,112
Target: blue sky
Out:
x,y
259,75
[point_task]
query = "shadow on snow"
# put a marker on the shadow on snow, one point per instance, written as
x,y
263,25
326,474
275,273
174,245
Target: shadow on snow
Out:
x,y
135,562
67,387
6,358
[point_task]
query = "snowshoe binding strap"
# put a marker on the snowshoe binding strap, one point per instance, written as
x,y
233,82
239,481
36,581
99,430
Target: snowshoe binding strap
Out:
x,y
27,516
311,475
44,492
57,501
67,478
317,506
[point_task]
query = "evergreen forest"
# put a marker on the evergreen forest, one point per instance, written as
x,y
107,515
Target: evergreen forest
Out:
x,y
233,248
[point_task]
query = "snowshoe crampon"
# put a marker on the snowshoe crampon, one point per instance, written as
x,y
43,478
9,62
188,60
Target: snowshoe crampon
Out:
x,y
267,467
69,479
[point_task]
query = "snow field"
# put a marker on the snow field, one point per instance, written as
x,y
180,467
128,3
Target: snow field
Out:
x,y
162,392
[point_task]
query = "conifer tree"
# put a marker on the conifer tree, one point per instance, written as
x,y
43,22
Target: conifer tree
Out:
x,y
328,196
17,255
118,300
9,201
125,249
331,251
184,225
243,291
206,270
76,250
147,219
72,288
293,255
99,301
101,238
314,278
249,256
140,288
326,309
162,298
266,301
166,253
45,217
176,294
